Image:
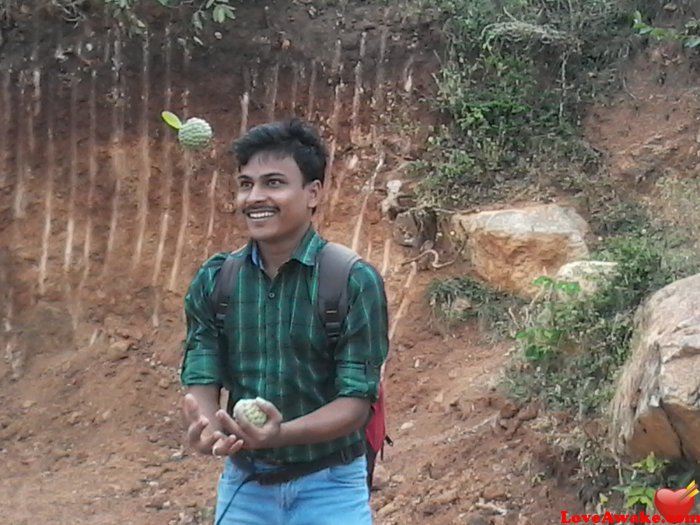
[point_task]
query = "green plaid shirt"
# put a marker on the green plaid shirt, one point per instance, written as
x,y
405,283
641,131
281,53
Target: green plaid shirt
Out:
x,y
276,342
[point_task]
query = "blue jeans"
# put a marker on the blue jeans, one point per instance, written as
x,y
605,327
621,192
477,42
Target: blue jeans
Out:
x,y
333,496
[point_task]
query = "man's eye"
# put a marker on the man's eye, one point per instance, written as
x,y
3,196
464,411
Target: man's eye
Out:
x,y
274,182
244,185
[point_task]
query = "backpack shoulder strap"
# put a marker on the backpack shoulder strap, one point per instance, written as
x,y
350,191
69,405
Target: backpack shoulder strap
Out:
x,y
224,286
334,263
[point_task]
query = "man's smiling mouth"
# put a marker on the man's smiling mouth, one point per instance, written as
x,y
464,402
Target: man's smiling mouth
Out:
x,y
260,214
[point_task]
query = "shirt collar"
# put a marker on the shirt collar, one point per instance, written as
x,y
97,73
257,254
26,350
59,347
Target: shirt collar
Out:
x,y
305,252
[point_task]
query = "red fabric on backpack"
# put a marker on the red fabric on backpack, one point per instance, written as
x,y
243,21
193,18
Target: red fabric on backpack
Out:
x,y
376,428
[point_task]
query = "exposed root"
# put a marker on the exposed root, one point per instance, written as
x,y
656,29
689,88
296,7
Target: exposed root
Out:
x,y
435,262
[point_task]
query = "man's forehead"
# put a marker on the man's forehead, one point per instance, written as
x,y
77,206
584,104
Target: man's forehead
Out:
x,y
267,162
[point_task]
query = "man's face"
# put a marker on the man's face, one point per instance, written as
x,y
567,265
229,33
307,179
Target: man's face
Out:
x,y
273,199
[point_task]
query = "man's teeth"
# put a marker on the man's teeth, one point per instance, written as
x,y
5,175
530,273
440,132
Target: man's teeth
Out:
x,y
260,214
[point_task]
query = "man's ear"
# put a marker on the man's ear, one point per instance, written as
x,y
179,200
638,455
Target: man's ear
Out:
x,y
315,193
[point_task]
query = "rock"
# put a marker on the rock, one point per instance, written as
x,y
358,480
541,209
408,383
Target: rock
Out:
x,y
74,417
511,248
475,518
414,227
656,408
446,497
164,383
390,508
407,425
508,410
118,350
494,492
590,275
392,204
380,478
398,479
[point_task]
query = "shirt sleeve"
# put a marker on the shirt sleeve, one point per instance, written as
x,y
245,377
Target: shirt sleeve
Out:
x,y
200,364
364,340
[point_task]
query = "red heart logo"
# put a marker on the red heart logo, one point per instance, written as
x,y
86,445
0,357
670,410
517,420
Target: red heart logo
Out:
x,y
672,505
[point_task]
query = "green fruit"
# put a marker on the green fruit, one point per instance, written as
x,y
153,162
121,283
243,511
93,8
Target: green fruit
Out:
x,y
247,409
195,133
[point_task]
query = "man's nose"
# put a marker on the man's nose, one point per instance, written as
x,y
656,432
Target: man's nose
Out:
x,y
256,193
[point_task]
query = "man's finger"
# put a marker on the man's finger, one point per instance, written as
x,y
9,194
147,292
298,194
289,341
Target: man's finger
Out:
x,y
228,424
269,409
194,431
227,446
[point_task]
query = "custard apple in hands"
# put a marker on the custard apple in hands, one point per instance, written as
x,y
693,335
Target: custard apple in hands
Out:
x,y
249,410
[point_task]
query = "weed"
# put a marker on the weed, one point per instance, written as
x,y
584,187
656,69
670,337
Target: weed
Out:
x,y
459,299
572,348
514,81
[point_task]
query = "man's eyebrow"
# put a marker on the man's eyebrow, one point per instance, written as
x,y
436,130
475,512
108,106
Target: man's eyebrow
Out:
x,y
263,176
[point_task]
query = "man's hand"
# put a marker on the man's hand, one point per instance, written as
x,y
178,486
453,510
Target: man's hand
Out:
x,y
201,434
267,436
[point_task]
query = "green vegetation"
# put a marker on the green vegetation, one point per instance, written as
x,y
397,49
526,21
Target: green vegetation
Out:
x,y
689,36
573,346
194,16
515,83
460,299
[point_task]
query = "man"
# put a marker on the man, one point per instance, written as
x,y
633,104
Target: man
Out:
x,y
317,401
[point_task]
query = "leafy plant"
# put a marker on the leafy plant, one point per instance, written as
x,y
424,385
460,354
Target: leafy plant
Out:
x,y
641,481
689,36
543,338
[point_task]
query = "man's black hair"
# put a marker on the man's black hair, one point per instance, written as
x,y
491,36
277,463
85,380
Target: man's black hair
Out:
x,y
289,138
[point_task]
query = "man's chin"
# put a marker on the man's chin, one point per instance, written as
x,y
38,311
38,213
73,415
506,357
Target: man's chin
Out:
x,y
263,234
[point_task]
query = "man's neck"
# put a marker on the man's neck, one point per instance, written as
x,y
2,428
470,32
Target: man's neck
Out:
x,y
277,253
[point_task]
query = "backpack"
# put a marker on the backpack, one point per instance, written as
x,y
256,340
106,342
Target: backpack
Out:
x,y
333,263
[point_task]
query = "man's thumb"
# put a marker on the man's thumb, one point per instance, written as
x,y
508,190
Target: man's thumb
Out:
x,y
267,407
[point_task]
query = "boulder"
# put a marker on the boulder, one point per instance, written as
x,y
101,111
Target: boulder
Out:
x,y
656,407
590,275
510,248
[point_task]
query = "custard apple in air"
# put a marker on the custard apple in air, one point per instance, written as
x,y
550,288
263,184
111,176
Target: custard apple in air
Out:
x,y
247,409
195,133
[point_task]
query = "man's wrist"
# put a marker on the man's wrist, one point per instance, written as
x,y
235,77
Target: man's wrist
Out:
x,y
284,436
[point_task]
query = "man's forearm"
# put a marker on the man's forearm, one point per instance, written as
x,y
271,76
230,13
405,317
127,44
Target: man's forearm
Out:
x,y
208,400
336,419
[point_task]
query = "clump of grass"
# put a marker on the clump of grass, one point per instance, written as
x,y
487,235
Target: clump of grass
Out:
x,y
460,299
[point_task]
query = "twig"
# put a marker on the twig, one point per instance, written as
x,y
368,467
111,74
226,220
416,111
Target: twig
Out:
x,y
564,59
625,88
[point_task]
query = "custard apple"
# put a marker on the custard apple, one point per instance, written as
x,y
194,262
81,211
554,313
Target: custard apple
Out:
x,y
195,133
247,409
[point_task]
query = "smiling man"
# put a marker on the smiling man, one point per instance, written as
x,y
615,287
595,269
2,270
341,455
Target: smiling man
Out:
x,y
306,465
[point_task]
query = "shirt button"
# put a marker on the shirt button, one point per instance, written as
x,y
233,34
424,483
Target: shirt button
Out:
x,y
271,295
